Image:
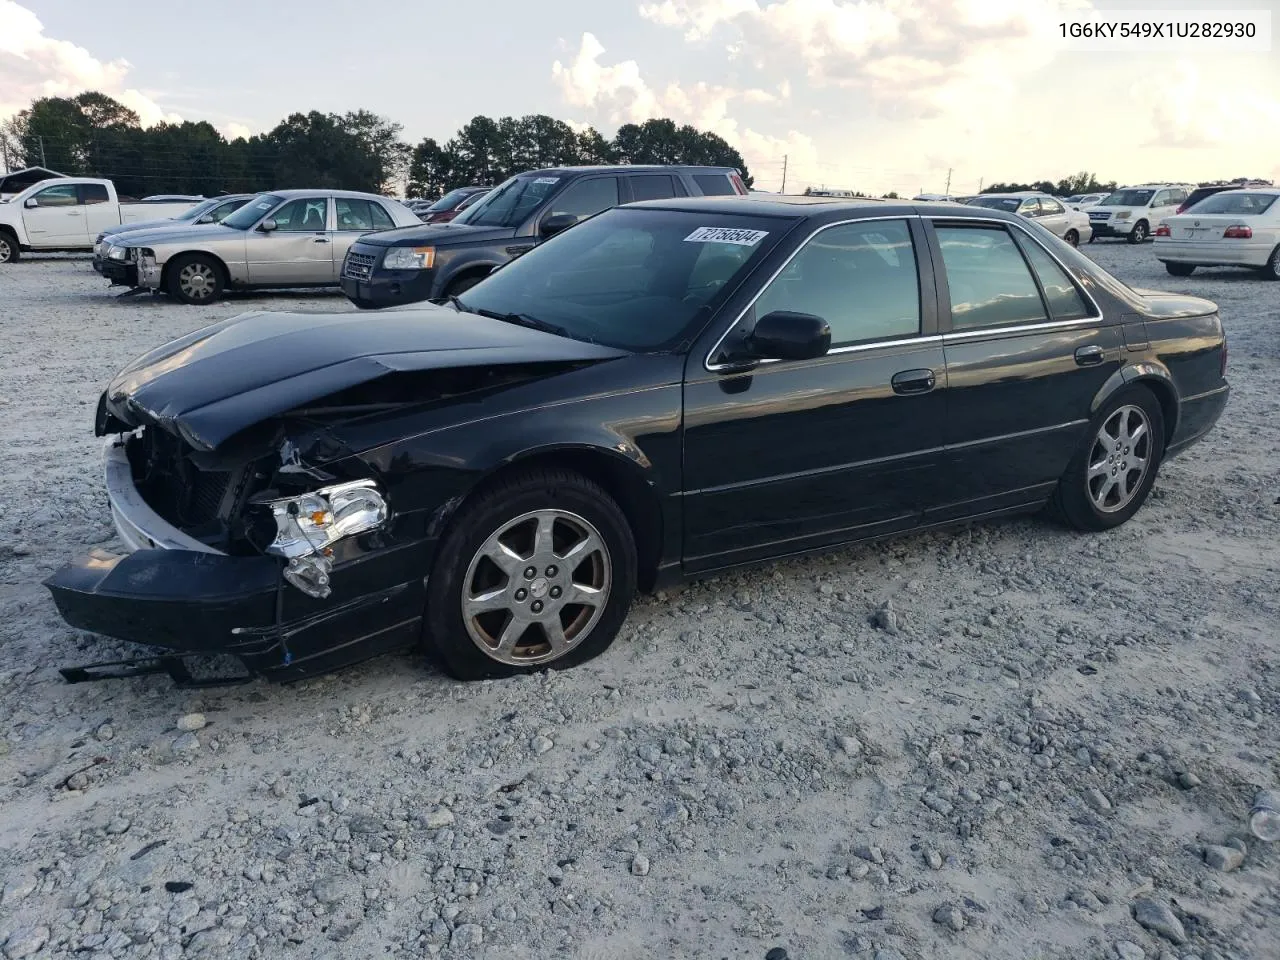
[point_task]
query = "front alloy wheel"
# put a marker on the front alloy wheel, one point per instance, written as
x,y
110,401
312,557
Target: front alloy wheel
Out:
x,y
536,588
1139,232
1119,459
7,249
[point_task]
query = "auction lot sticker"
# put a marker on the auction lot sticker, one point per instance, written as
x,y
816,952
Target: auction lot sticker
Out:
x,y
1144,31
743,238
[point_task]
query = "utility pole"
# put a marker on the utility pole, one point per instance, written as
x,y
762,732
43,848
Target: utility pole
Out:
x,y
783,188
947,191
4,150
42,160
981,181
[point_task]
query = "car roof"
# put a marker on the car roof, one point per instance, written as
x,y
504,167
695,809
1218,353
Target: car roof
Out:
x,y
1019,194
820,208
629,168
328,192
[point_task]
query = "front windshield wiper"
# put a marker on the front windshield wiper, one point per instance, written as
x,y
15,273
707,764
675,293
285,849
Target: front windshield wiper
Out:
x,y
524,320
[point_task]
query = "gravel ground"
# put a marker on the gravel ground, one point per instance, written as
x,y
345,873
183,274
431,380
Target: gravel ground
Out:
x,y
1005,741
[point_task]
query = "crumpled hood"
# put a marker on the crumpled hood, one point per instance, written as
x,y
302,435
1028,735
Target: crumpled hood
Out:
x,y
159,236
440,233
217,381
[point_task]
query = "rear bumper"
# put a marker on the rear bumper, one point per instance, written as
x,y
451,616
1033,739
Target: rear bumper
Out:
x,y
178,594
1197,416
1216,253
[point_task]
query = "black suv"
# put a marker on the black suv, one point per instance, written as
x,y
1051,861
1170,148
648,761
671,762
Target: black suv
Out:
x,y
441,260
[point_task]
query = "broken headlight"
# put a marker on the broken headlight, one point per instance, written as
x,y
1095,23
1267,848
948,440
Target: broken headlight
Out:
x,y
307,526
115,252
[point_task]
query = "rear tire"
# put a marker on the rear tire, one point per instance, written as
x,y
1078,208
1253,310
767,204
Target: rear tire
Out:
x,y
1114,469
1139,232
1180,269
195,279
1072,237
487,620
10,252
1272,270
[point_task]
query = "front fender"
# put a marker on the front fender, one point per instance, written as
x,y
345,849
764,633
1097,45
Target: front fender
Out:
x,y
488,257
15,224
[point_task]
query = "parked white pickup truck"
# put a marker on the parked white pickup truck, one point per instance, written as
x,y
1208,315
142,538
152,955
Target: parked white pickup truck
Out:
x,y
68,213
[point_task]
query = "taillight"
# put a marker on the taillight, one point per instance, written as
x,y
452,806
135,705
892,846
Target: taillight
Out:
x,y
1238,231
738,185
1181,207
1162,230
1222,364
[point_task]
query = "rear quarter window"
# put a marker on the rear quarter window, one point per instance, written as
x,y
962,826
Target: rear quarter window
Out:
x,y
714,184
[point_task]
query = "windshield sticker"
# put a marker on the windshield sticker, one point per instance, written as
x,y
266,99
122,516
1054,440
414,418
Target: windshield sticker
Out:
x,y
743,238
547,180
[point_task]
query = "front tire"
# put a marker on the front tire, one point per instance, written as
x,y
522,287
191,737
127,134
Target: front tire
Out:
x,y
1072,237
536,572
1139,232
1112,473
1180,269
10,252
195,278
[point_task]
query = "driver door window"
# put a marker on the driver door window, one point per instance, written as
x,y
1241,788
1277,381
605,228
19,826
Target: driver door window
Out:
x,y
304,215
63,195
860,277
586,197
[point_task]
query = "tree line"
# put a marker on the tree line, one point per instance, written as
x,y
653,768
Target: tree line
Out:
x,y
94,135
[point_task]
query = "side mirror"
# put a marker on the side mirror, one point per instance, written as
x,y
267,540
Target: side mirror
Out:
x,y
784,335
267,225
556,223
31,203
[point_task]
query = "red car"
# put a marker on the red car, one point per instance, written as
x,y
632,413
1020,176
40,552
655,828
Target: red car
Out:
x,y
452,204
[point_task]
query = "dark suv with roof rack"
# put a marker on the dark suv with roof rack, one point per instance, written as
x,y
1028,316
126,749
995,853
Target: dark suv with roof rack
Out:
x,y
441,260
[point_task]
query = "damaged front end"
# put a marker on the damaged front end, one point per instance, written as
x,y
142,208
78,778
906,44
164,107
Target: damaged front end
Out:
x,y
294,567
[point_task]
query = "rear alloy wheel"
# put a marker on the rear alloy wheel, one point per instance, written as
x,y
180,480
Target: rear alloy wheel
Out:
x,y
9,252
537,572
1272,270
1072,238
195,279
1180,269
1139,232
1112,473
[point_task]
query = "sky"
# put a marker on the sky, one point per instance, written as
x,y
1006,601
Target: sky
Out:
x,y
871,95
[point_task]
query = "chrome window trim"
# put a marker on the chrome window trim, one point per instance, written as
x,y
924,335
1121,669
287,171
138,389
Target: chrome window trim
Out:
x,y
950,335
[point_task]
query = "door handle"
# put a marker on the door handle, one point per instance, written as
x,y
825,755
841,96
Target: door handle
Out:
x,y
1089,356
914,381
319,239
73,213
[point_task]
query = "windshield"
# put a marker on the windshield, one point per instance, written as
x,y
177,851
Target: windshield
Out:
x,y
251,212
997,203
1128,198
199,210
509,204
636,279
450,200
1236,204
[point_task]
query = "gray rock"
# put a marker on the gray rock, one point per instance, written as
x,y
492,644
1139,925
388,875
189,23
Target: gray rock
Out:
x,y
1127,950
104,732
1225,859
1159,919
466,936
640,865
934,859
1097,799
886,618
191,722
329,890
869,853
1086,900
19,888
1035,903
676,747
186,744
850,745
1188,780
118,826
439,818
949,915
541,744
26,942
938,804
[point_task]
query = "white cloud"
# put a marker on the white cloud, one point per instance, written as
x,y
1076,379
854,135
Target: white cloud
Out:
x,y
34,65
618,93
1185,112
235,131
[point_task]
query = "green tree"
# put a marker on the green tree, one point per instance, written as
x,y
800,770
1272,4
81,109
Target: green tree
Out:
x,y
381,140
316,150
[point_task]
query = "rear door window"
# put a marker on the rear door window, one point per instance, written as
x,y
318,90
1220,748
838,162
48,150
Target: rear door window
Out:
x,y
990,283
91,193
1050,206
353,215
652,187
1065,301
714,184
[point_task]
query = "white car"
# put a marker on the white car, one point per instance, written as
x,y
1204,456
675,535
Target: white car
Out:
x,y
1234,228
1071,225
1082,200
1132,212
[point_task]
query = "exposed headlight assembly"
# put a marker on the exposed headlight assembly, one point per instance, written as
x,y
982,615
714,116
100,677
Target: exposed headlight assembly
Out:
x,y
410,258
115,253
308,525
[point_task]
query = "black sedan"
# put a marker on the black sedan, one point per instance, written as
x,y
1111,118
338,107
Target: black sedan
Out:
x,y
662,391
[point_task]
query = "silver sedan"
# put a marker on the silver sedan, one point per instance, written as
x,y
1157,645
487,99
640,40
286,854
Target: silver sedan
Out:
x,y
1069,224
286,238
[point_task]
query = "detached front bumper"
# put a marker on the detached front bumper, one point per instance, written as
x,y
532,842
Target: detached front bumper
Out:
x,y
120,272
176,593
1112,228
